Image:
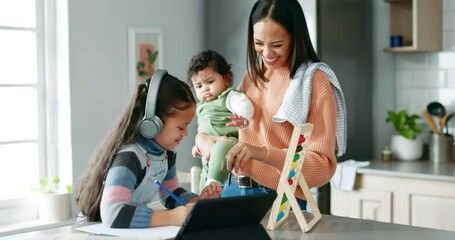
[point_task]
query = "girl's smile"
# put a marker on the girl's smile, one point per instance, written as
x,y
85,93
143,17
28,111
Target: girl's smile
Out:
x,y
175,128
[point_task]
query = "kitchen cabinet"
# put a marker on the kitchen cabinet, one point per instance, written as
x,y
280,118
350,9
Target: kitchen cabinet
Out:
x,y
369,204
393,196
419,22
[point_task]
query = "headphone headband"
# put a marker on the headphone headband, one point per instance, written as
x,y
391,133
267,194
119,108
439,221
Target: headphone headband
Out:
x,y
152,94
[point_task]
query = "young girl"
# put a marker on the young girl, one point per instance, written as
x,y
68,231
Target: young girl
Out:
x,y
211,76
120,179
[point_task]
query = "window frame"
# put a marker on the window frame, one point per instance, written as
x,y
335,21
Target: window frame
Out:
x,y
53,133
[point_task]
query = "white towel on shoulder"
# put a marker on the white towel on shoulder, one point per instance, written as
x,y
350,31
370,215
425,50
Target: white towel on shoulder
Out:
x,y
296,101
344,177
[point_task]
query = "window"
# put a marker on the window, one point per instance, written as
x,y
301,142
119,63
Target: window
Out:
x,y
29,102
20,101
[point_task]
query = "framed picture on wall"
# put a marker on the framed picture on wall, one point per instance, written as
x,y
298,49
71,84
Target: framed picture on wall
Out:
x,y
145,53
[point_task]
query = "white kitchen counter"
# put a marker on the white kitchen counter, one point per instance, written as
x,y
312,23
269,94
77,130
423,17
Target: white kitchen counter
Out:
x,y
422,169
328,228
417,193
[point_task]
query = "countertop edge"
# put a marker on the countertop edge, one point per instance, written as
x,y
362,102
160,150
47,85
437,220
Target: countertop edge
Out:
x,y
423,176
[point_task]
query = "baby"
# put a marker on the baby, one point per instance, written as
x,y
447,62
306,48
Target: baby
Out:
x,y
219,104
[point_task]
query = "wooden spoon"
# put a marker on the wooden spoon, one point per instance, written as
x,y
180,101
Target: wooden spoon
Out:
x,y
443,123
430,122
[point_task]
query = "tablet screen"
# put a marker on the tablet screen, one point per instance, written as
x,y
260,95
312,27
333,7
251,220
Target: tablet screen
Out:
x,y
211,214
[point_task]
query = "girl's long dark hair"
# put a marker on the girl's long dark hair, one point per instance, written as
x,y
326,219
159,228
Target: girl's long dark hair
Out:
x,y
173,95
289,14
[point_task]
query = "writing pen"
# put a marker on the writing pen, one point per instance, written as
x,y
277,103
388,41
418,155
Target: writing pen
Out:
x,y
170,193
105,235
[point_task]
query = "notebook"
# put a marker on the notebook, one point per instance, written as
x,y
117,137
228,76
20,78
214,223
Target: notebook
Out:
x,y
227,218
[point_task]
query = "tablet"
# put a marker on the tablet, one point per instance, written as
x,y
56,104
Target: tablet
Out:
x,y
225,218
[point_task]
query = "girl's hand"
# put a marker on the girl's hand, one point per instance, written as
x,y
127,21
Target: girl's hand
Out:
x,y
213,190
237,121
180,213
174,216
241,153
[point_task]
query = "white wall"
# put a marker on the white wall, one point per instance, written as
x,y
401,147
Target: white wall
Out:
x,y
226,32
309,9
424,78
98,60
383,78
415,79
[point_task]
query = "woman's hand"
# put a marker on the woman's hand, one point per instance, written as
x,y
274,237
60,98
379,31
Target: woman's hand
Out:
x,y
241,153
213,190
204,143
237,121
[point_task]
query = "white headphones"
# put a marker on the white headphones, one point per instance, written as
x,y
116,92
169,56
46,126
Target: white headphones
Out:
x,y
151,124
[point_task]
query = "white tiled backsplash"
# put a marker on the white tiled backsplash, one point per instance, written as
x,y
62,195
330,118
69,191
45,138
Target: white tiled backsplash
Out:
x,y
421,78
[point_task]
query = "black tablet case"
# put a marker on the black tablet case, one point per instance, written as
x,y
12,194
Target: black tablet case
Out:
x,y
227,218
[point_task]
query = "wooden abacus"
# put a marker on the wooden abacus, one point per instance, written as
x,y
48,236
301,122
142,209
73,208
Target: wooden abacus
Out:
x,y
291,176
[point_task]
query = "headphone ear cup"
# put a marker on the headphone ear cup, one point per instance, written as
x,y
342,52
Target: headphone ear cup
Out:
x,y
151,127
159,125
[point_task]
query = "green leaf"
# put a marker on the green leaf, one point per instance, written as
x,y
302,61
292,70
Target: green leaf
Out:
x,y
56,180
69,188
407,133
391,116
404,124
140,65
43,182
153,58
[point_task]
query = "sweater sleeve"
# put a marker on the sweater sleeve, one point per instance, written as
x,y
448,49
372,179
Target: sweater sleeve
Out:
x,y
172,183
320,160
116,209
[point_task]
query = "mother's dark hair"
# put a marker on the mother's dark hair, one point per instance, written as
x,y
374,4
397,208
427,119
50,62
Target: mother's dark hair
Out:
x,y
289,14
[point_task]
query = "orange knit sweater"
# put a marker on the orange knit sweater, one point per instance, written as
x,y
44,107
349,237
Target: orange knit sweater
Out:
x,y
320,161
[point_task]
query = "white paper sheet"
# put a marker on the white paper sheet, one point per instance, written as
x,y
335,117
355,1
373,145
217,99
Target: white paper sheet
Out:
x,y
155,232
87,236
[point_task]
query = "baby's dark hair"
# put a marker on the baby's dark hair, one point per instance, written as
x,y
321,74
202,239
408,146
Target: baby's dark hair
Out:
x,y
211,59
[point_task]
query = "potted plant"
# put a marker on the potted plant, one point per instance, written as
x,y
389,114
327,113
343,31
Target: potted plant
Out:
x,y
405,144
54,204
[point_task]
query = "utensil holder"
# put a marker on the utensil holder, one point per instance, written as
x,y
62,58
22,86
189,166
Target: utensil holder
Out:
x,y
441,148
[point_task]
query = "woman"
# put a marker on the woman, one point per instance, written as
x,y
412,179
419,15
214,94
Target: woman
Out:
x,y
288,85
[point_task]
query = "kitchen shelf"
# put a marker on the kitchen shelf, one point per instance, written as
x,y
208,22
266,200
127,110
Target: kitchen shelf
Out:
x,y
420,24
